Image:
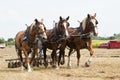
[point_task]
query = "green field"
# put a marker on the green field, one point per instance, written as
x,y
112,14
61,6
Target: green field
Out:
x,y
96,43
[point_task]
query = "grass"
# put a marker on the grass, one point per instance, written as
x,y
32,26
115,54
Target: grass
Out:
x,y
96,43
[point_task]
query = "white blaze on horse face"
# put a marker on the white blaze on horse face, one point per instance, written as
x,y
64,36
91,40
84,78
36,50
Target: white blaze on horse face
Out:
x,y
66,31
44,34
96,29
94,25
93,21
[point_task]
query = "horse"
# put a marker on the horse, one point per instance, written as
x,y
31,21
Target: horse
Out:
x,y
81,38
25,42
56,40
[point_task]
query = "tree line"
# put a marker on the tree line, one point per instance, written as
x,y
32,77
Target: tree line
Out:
x,y
9,41
113,37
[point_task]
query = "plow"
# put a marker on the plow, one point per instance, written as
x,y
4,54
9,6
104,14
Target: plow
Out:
x,y
15,63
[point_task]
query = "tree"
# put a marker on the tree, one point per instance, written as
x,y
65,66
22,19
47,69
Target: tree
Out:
x,y
10,41
2,40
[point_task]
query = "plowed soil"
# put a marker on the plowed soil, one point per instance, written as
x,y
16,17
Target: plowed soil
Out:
x,y
105,66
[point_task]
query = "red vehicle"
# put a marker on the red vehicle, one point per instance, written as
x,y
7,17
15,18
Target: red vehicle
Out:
x,y
110,44
114,44
103,45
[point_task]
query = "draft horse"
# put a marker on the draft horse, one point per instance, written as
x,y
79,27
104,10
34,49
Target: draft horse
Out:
x,y
57,40
81,37
25,42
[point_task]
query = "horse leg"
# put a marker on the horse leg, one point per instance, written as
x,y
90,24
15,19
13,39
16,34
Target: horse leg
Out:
x,y
35,51
27,60
56,61
62,56
59,60
45,57
21,59
69,58
78,57
87,64
54,58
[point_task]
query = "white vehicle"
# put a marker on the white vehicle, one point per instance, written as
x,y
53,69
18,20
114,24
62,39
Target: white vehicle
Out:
x,y
2,45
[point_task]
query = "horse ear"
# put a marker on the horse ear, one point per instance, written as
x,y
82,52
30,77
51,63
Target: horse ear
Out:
x,y
60,18
67,18
36,20
78,21
26,25
95,15
88,16
42,20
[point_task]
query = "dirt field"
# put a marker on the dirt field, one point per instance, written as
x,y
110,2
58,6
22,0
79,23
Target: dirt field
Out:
x,y
105,66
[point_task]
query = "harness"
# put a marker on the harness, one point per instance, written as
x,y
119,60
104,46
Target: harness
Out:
x,y
27,37
85,36
56,35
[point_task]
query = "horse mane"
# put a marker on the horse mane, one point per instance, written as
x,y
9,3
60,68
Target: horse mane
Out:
x,y
83,24
31,26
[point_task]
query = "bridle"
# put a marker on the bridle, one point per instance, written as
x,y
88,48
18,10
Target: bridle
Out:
x,y
91,28
59,32
36,29
37,33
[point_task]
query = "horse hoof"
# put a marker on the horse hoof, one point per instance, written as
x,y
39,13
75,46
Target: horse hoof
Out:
x,y
87,65
51,63
54,66
40,63
46,65
62,63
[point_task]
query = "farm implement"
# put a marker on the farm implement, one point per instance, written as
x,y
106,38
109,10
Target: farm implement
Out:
x,y
15,63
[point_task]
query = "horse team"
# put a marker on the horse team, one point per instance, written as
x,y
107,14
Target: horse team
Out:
x,y
36,39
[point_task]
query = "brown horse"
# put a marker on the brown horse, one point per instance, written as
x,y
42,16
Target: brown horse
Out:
x,y
57,40
81,38
25,41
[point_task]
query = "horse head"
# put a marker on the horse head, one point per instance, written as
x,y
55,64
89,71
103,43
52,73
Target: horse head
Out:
x,y
63,25
40,29
89,24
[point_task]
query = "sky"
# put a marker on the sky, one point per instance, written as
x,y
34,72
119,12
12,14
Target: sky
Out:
x,y
14,14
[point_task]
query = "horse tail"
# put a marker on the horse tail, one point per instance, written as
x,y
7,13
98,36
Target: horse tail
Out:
x,y
20,42
18,48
